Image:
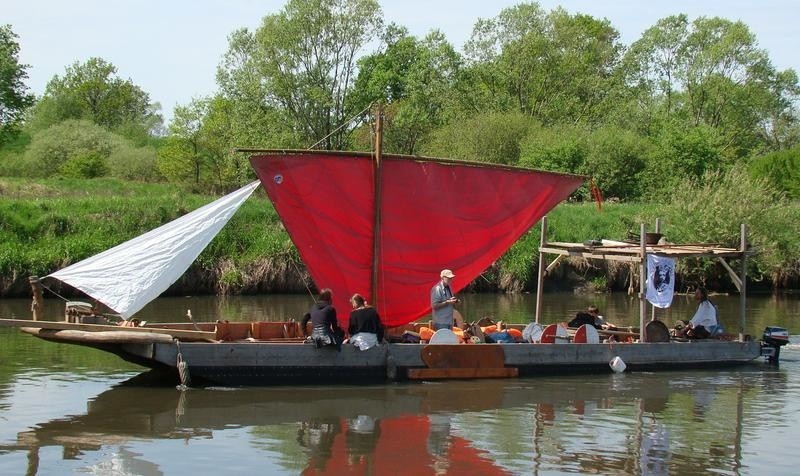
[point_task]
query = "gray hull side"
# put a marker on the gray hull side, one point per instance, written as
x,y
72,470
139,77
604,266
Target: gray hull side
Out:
x,y
268,363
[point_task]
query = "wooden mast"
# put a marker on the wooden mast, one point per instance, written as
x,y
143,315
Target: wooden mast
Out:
x,y
377,202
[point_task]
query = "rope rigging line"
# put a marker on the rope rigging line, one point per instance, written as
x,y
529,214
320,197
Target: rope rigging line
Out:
x,y
305,282
340,126
54,293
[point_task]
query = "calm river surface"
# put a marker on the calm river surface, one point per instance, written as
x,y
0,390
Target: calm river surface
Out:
x,y
70,410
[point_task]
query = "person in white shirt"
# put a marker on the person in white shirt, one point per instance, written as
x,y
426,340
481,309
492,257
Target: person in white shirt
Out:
x,y
705,318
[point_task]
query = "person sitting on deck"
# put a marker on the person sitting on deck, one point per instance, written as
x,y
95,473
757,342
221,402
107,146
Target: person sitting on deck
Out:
x,y
365,326
599,321
592,317
325,327
705,318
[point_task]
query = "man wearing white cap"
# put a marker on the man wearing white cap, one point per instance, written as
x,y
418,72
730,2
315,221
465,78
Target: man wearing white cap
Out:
x,y
442,301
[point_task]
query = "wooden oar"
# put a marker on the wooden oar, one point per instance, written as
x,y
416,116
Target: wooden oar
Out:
x,y
628,333
60,325
618,333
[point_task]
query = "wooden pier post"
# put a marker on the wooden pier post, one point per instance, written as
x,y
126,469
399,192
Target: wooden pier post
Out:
x,y
743,289
37,306
642,279
540,278
653,308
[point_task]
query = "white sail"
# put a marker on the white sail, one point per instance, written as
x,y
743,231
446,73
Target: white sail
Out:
x,y
130,275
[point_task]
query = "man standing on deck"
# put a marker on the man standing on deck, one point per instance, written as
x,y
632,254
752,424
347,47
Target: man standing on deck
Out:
x,y
443,301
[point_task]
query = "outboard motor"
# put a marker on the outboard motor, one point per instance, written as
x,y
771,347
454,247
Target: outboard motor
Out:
x,y
772,340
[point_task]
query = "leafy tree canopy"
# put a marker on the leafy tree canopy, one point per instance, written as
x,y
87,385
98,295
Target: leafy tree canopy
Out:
x,y
711,72
302,61
414,79
92,91
14,96
555,67
781,169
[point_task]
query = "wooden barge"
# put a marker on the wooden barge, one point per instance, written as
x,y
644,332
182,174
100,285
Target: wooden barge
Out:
x,y
385,240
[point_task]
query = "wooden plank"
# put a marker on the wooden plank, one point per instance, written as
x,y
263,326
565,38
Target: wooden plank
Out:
x,y
463,356
623,252
618,333
462,373
101,337
598,254
181,334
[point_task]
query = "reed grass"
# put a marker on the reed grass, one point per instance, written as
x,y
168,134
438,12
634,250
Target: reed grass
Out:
x,y
48,224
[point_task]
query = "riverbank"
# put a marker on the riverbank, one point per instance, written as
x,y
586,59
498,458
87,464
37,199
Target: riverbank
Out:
x,y
48,224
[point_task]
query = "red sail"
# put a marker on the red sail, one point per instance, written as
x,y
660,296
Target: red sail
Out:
x,y
434,214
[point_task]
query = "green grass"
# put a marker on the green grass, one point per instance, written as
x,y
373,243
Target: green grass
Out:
x,y
48,224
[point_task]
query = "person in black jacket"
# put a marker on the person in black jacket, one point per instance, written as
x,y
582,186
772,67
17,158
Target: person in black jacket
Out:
x,y
325,326
365,326
592,317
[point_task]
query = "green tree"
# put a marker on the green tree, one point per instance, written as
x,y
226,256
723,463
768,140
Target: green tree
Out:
x,y
615,160
563,150
414,79
780,169
135,163
85,165
74,148
219,135
199,149
183,157
257,119
651,69
14,98
302,61
711,72
93,91
492,137
710,208
680,154
555,67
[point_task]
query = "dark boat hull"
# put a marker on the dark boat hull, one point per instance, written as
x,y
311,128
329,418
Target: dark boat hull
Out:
x,y
260,363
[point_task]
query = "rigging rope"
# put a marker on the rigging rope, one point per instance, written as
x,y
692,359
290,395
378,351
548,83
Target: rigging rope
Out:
x,y
305,282
183,369
180,409
340,126
55,293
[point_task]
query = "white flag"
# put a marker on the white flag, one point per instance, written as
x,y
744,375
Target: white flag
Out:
x,y
660,280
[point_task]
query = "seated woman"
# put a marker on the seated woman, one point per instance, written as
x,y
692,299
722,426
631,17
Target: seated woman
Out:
x,y
325,330
705,318
365,326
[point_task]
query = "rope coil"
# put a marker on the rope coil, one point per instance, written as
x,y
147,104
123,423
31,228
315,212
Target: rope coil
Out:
x,y
183,369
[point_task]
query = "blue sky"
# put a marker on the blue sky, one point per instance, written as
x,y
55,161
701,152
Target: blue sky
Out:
x,y
171,48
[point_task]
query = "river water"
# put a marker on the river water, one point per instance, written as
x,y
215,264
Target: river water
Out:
x,y
71,410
